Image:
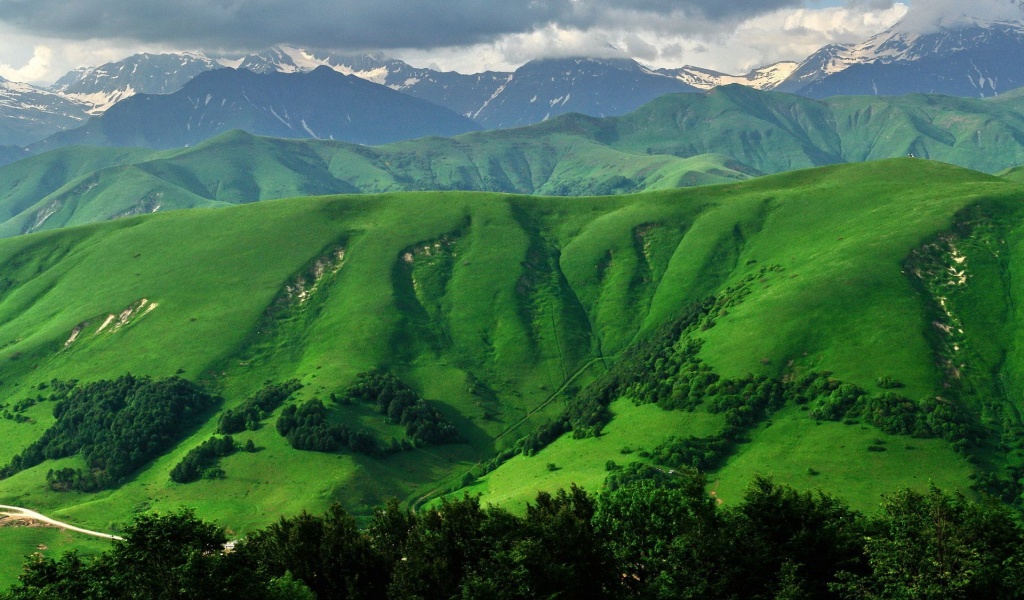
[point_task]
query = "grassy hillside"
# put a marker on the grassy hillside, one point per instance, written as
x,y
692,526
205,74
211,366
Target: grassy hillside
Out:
x,y
728,134
499,309
236,168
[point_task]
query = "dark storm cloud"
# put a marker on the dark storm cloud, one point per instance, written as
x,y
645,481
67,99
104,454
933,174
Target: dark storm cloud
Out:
x,y
344,23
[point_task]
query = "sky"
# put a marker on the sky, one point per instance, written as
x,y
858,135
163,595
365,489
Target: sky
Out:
x,y
40,40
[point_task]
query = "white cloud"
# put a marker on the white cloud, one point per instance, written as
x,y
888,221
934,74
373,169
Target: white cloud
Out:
x,y
37,67
926,16
788,34
671,41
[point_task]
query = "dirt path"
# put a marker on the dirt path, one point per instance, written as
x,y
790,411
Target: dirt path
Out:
x,y
551,398
16,512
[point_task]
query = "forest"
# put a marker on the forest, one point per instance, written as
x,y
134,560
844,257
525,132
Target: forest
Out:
x,y
645,538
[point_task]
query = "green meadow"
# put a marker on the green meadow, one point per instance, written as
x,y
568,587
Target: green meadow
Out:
x,y
499,308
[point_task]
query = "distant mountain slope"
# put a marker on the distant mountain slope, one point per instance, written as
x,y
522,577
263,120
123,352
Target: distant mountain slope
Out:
x,y
462,93
237,168
320,104
28,113
538,90
101,87
971,59
727,134
542,89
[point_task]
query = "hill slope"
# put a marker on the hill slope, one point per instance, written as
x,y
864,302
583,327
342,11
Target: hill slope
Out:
x,y
500,309
725,135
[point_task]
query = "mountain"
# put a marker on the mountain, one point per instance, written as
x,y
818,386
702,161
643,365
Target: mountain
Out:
x,y
542,89
725,135
493,99
838,350
28,113
971,59
77,185
763,78
320,104
101,87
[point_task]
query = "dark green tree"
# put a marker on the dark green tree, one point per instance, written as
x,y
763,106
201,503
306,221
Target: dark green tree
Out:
x,y
934,545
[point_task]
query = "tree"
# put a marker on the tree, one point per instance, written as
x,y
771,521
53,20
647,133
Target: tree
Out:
x,y
936,545
663,535
171,556
795,541
326,553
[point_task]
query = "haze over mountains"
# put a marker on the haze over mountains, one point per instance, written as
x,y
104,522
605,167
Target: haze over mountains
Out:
x,y
322,104
972,59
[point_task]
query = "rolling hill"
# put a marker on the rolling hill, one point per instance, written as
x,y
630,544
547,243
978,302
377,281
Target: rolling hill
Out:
x,y
722,136
505,312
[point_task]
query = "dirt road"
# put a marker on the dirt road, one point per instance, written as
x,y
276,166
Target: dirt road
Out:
x,y
16,512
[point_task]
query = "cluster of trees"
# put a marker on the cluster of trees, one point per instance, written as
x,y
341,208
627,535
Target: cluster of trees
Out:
x,y
201,461
116,425
306,428
704,453
587,412
646,539
400,404
257,407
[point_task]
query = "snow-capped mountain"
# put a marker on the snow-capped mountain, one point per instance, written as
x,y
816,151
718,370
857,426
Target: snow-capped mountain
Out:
x,y
763,78
320,104
101,87
542,89
28,113
970,58
493,99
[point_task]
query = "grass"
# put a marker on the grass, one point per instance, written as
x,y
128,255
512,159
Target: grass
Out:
x,y
834,457
582,462
47,541
516,293
726,135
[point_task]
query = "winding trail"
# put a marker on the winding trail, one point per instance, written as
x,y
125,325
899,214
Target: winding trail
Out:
x,y
23,513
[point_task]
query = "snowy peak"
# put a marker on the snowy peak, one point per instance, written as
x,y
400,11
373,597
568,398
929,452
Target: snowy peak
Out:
x,y
28,113
287,59
320,104
763,78
990,45
101,87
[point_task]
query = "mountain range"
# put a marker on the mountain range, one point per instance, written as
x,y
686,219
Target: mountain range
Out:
x,y
320,104
973,59
724,135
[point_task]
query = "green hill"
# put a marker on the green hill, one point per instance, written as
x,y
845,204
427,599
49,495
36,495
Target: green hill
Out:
x,y
726,135
505,312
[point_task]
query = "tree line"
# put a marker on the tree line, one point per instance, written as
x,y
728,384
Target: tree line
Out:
x,y
646,538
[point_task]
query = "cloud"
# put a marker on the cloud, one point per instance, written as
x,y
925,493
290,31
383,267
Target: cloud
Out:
x,y
37,67
349,24
926,16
